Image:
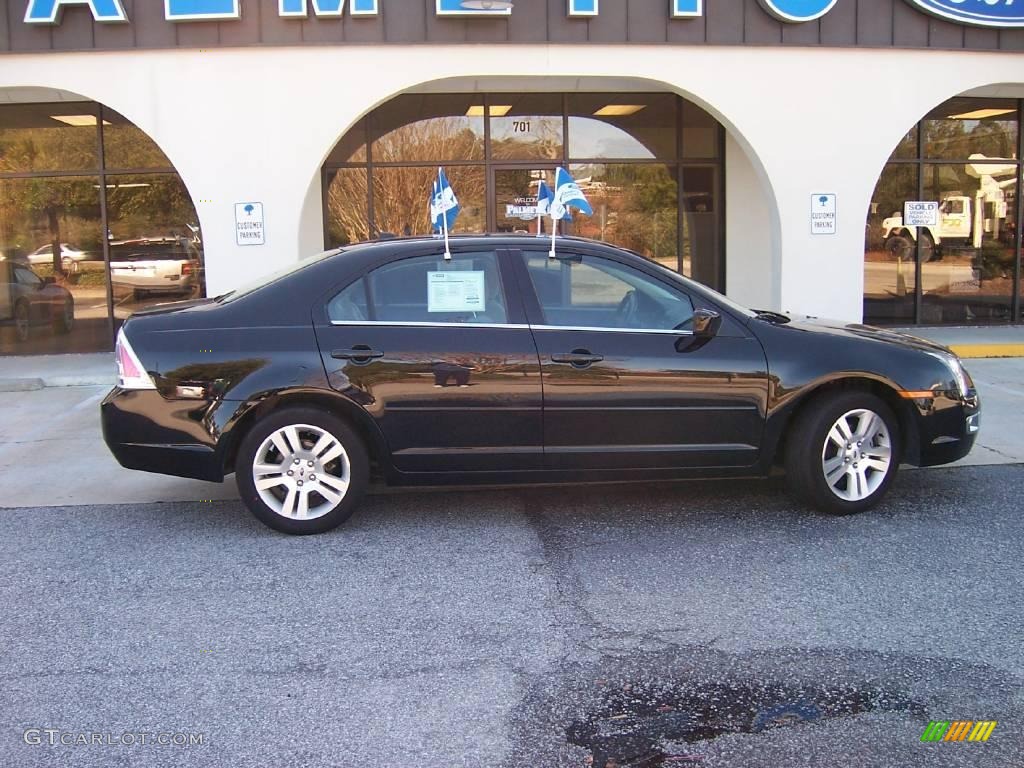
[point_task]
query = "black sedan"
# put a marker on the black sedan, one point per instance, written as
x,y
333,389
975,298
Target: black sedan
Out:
x,y
504,364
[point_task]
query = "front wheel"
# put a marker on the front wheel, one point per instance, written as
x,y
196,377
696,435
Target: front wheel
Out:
x,y
843,452
302,471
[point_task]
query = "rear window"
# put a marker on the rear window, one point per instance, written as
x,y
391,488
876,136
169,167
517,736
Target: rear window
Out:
x,y
151,252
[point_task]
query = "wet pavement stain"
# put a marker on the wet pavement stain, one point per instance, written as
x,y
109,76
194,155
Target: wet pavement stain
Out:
x,y
643,725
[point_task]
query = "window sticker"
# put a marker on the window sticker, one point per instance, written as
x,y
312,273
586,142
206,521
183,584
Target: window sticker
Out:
x,y
456,291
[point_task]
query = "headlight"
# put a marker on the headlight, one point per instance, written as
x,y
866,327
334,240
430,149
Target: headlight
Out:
x,y
956,368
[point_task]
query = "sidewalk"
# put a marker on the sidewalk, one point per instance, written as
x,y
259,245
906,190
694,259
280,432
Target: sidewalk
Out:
x,y
24,374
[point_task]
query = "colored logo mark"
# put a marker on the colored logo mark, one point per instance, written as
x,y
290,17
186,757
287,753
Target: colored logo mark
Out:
x,y
797,11
983,13
958,730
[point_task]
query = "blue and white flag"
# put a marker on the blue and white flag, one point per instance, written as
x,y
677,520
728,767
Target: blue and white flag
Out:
x,y
444,205
545,197
568,193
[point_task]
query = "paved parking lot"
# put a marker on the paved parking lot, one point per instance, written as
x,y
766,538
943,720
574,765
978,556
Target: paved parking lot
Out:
x,y
708,624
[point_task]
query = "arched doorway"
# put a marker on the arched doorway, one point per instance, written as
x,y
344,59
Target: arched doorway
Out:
x,y
650,163
95,223
963,157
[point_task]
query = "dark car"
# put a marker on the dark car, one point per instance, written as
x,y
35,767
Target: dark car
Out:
x,y
506,365
28,300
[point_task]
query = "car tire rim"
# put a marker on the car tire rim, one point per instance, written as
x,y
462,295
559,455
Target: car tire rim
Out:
x,y
857,455
301,472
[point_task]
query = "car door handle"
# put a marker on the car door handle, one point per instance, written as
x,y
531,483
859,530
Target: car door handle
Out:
x,y
579,358
359,354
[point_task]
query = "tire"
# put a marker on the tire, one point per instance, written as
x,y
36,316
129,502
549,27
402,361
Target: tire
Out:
x,y
927,248
899,246
811,451
22,321
280,504
65,321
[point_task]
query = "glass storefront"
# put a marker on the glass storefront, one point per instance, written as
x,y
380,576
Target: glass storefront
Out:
x,y
650,164
964,157
94,224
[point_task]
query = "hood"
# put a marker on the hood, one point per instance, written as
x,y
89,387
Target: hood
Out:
x,y
870,332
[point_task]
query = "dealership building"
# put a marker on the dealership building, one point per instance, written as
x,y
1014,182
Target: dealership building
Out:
x,y
854,159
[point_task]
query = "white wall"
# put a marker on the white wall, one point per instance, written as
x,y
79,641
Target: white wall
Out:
x,y
256,124
751,255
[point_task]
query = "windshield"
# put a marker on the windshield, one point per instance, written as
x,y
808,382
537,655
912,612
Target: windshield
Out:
x,y
273,277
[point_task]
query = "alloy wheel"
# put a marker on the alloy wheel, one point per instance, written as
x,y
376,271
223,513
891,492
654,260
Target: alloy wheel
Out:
x,y
301,472
857,455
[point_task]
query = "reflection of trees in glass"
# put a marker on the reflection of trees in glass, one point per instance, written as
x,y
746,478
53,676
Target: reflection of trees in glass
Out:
x,y
347,211
527,138
635,206
126,146
401,195
963,138
156,205
40,211
23,150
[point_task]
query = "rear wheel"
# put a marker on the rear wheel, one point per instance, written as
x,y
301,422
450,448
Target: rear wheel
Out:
x,y
302,471
843,452
65,319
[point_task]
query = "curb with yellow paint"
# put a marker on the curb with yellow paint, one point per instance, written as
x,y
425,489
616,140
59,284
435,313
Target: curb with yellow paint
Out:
x,y
969,351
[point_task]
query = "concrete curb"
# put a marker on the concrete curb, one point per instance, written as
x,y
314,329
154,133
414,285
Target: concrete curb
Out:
x,y
977,351
21,385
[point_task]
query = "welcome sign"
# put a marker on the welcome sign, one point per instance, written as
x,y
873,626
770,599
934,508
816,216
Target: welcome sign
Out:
x,y
988,13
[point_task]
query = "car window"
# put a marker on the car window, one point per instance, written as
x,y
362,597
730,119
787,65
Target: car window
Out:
x,y
426,289
591,292
27,277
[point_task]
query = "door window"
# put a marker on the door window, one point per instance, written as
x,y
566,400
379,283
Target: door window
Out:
x,y
591,292
27,277
426,289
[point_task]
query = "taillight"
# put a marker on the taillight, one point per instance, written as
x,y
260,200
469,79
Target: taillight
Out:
x,y
186,269
130,373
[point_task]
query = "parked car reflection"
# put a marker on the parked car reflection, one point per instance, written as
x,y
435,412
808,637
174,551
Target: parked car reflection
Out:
x,y
165,266
28,301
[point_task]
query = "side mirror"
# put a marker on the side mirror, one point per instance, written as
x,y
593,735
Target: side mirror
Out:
x,y
706,323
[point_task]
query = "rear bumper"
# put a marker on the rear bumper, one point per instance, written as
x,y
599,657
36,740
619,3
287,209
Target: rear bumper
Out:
x,y
144,431
948,433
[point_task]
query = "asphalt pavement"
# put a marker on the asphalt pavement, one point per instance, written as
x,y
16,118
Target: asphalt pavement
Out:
x,y
699,624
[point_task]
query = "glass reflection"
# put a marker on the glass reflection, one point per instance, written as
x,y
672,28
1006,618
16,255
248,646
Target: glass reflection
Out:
x,y
527,127
156,250
348,219
635,206
48,137
400,197
889,255
967,275
51,304
129,147
964,127
429,127
622,126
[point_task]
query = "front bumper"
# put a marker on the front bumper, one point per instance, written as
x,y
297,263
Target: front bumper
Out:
x,y
949,429
145,431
